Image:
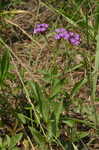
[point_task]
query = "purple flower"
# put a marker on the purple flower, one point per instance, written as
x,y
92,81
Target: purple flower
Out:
x,y
77,36
42,25
60,30
74,38
36,30
66,35
73,41
71,33
61,33
57,37
40,28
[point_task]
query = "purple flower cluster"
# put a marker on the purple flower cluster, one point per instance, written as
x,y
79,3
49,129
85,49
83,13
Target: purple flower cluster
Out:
x,y
40,28
61,33
72,37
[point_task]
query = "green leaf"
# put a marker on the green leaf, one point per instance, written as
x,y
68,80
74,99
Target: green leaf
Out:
x,y
4,65
21,117
53,129
0,142
78,86
15,139
15,148
74,146
80,135
39,139
42,101
58,110
70,123
34,90
97,17
3,148
97,54
57,85
50,130
6,142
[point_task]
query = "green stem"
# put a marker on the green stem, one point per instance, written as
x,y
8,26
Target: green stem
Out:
x,y
95,73
46,40
55,52
87,28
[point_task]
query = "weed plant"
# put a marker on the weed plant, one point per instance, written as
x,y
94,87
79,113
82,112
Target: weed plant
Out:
x,y
49,90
